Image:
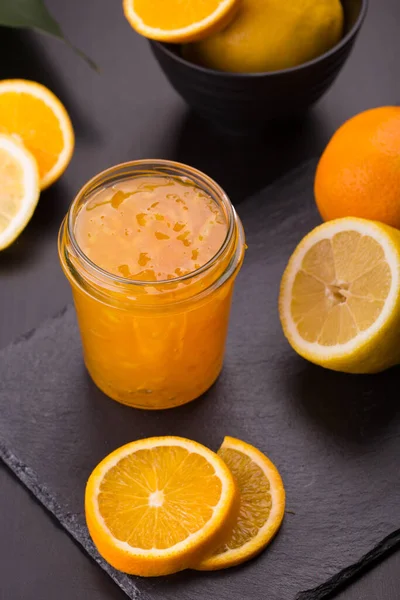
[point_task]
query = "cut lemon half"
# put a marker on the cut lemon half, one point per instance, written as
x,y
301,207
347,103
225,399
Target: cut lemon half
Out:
x,y
340,296
179,20
157,506
36,115
262,505
19,188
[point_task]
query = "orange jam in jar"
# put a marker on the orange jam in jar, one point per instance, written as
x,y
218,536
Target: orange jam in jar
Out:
x,y
152,249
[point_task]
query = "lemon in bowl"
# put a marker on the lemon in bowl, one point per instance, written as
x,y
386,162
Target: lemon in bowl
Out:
x,y
271,35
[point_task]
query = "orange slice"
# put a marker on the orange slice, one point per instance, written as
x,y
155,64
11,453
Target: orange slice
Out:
x,y
340,296
36,115
262,505
19,189
179,20
159,505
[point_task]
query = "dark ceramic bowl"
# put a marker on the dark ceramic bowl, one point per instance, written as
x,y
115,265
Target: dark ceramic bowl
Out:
x,y
245,102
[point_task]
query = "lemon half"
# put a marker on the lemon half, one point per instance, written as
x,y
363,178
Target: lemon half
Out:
x,y
19,190
340,296
269,35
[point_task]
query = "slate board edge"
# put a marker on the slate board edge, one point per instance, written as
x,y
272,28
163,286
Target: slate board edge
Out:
x,y
347,575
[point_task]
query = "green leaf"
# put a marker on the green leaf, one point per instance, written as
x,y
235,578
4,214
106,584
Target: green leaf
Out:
x,y
33,14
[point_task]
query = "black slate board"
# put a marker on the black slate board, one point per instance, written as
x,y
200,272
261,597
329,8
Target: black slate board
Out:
x,y
335,438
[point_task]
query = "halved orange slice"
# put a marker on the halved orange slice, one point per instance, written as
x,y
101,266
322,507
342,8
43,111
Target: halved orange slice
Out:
x,y
262,505
340,296
33,113
179,20
159,505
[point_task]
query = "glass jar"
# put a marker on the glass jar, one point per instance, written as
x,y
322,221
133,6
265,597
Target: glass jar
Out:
x,y
161,344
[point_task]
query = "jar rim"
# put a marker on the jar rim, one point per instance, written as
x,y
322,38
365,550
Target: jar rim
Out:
x,y
159,167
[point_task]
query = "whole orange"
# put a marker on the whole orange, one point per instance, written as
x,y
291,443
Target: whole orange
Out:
x,y
358,174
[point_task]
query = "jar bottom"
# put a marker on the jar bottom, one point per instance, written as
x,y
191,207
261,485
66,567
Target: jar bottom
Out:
x,y
143,400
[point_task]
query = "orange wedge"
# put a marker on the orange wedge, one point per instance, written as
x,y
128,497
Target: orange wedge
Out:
x,y
157,506
179,21
34,114
262,505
